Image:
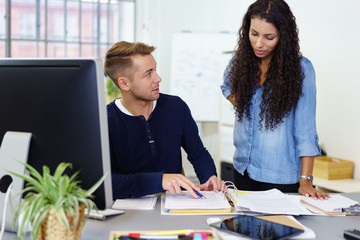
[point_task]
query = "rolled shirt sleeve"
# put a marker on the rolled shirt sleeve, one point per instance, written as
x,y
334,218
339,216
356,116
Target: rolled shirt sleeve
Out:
x,y
305,134
226,85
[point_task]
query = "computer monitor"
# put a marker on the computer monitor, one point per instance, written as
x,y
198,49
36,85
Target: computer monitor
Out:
x,y
61,102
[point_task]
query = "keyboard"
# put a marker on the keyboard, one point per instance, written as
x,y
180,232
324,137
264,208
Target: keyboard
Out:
x,y
352,234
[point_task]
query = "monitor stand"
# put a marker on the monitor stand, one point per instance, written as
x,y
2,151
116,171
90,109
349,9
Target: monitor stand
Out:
x,y
14,151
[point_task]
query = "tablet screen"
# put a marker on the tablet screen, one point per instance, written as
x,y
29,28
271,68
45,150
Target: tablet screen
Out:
x,y
256,228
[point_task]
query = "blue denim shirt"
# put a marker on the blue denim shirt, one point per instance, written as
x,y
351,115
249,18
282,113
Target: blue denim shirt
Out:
x,y
274,156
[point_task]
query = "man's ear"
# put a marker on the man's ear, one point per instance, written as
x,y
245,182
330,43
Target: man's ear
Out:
x,y
123,83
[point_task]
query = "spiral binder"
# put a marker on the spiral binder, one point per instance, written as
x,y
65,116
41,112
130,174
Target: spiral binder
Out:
x,y
226,185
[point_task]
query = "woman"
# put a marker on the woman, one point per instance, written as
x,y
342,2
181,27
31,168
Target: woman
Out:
x,y
272,88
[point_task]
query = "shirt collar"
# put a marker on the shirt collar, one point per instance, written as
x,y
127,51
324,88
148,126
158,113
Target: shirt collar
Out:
x,y
124,110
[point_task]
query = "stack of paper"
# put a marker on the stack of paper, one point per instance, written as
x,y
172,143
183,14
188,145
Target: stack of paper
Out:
x,y
102,214
270,202
184,203
141,203
332,206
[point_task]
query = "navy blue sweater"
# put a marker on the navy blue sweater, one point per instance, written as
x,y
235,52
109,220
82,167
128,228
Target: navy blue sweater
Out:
x,y
141,151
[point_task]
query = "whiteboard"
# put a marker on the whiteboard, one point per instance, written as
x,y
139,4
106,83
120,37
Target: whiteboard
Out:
x,y
197,70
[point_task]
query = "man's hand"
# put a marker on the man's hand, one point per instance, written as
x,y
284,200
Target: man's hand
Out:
x,y
214,183
174,182
307,190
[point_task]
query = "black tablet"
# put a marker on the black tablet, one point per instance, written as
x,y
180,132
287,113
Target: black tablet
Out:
x,y
256,228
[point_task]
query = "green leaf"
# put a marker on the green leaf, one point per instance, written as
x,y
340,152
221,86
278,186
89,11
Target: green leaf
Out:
x,y
60,213
38,220
96,185
44,192
60,169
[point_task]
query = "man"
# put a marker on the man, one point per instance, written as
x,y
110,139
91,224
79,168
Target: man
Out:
x,y
147,130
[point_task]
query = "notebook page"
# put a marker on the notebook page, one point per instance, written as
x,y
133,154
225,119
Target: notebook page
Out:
x,y
271,201
333,204
185,201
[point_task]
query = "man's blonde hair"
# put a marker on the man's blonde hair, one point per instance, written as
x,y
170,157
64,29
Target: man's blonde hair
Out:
x,y
118,59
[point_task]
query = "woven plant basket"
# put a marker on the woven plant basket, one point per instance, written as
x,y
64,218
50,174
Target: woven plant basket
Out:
x,y
52,228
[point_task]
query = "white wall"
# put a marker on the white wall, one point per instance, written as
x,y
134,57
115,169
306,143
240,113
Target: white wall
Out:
x,y
329,38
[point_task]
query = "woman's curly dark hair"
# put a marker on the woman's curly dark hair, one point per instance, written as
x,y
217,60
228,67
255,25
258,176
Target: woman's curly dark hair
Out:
x,y
283,85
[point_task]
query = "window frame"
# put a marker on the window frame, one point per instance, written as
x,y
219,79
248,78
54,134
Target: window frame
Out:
x,y
98,42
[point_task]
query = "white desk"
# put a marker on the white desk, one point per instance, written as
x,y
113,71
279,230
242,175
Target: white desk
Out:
x,y
339,185
325,227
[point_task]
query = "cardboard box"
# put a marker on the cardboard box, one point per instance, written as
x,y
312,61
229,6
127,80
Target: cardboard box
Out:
x,y
331,168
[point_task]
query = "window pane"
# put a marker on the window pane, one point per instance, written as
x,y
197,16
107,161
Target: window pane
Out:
x,y
56,50
27,25
103,22
2,48
73,50
88,16
41,49
2,19
23,48
103,50
114,22
43,20
23,19
72,22
56,28
88,50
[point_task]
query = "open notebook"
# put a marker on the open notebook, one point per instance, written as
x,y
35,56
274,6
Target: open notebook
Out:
x,y
234,201
184,203
249,202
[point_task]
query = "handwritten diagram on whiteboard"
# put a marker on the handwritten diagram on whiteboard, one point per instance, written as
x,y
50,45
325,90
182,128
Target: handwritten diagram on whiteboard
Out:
x,y
197,71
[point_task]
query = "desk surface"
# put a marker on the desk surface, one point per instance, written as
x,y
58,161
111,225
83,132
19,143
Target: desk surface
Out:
x,y
325,227
339,185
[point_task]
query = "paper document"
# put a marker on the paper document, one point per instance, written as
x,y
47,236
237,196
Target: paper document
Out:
x,y
331,205
102,214
215,203
141,203
270,202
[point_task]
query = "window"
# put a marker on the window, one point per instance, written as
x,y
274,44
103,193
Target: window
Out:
x,y
27,26
2,21
64,28
2,28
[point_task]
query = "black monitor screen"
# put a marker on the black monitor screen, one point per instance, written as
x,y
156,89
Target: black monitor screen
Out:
x,y
62,103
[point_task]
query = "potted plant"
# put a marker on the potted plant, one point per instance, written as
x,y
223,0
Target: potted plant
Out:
x,y
112,91
54,204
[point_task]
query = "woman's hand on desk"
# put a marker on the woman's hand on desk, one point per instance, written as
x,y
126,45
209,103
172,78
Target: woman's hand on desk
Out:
x,y
214,183
174,182
306,188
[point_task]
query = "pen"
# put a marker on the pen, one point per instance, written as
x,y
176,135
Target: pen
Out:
x,y
172,232
201,233
143,236
126,238
199,194
185,234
